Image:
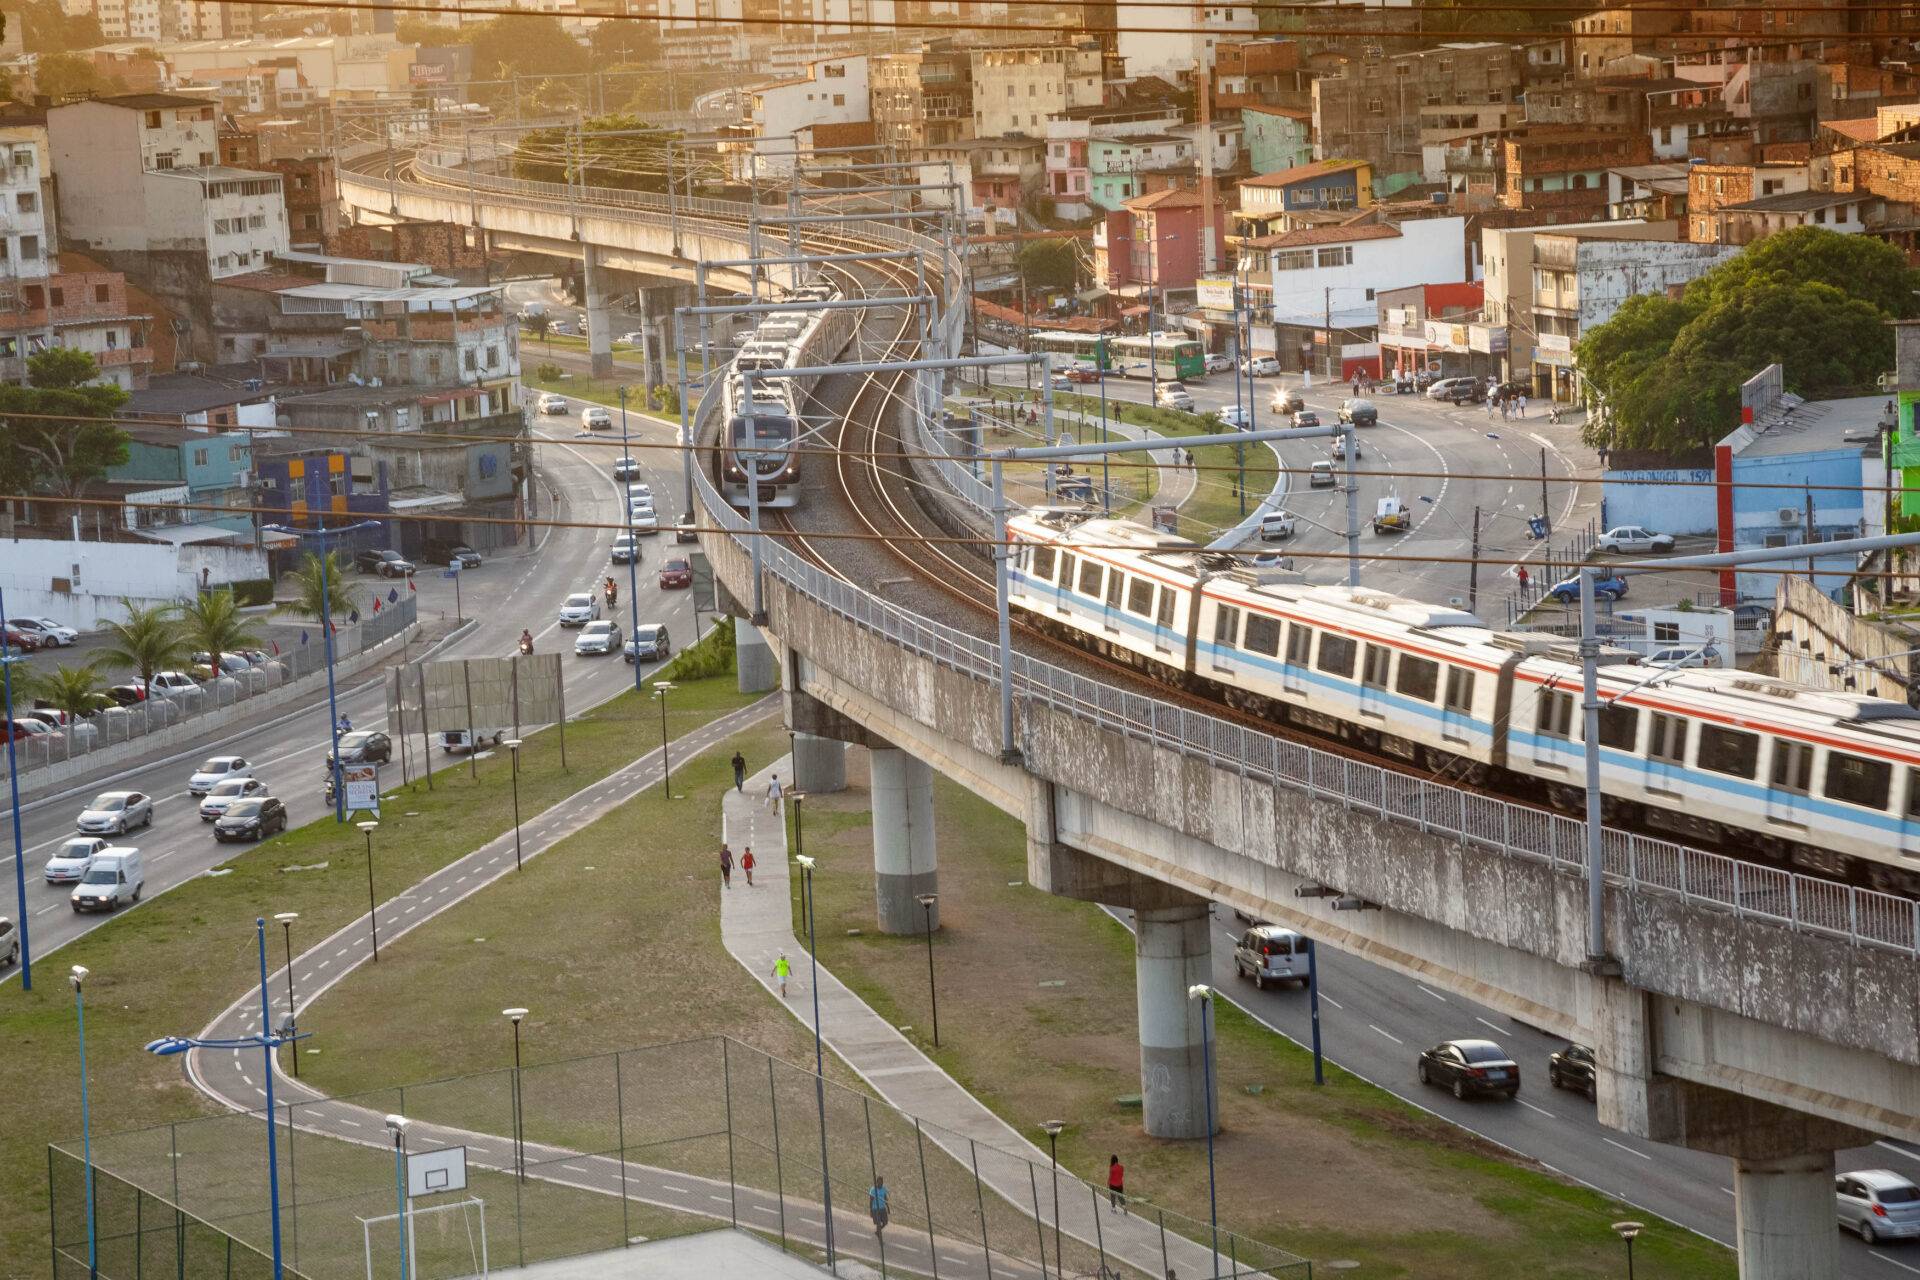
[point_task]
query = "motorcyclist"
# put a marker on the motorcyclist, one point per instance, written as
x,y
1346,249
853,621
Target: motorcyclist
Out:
x,y
526,642
613,592
346,725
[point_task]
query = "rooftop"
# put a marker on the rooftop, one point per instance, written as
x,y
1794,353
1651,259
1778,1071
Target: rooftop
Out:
x,y
173,394
1862,129
1651,172
1796,202
1325,235
1171,198
1302,172
153,101
1292,113
1792,425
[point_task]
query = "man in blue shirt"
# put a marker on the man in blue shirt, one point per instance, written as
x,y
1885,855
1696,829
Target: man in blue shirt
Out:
x,y
877,1203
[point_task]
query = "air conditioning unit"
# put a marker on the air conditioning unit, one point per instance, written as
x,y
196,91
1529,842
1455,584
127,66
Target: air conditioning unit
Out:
x,y
1789,515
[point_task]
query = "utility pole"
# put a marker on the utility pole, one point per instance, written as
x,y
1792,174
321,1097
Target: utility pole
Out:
x,y
1807,538
1332,369
1026,322
1203,82
1473,566
1546,517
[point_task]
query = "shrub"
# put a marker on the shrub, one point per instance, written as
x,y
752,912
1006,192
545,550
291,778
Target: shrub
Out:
x,y
548,371
253,591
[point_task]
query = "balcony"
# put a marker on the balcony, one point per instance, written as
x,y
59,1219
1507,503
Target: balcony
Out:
x,y
113,357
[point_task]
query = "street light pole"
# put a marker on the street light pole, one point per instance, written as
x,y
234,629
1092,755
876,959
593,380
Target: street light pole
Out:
x,y
1053,1128
7,659
513,748
373,923
78,977
819,1053
661,688
933,993
268,1043
1628,1231
286,919
397,1126
519,1128
1204,994
633,542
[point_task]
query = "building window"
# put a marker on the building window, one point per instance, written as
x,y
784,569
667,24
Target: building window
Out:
x,y
1337,256
200,457
1293,260
29,248
164,160
57,296
153,119
101,293
27,201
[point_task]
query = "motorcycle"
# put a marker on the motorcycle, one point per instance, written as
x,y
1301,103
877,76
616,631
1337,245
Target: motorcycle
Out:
x,y
526,646
331,782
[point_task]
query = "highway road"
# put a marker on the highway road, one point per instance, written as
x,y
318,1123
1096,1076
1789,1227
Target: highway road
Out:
x,y
503,596
1374,1023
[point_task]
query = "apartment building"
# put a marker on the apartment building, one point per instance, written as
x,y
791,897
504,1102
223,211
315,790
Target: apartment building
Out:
x,y
1506,256
1017,89
1095,154
1711,187
834,91
1370,107
1171,40
921,98
1565,170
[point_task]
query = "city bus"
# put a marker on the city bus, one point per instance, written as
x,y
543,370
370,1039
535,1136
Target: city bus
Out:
x,y
1175,355
1088,349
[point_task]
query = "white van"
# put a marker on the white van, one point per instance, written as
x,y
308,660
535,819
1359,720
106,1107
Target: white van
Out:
x,y
113,879
1267,953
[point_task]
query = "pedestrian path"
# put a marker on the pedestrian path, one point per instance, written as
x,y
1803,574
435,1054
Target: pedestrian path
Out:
x,y
756,926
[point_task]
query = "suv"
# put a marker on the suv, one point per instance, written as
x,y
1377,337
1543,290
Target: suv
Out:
x,y
1458,390
453,553
649,643
1361,413
388,564
1287,400
1267,953
596,418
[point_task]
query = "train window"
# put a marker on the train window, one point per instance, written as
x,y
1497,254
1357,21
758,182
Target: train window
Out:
x,y
1043,563
1619,727
1913,794
1858,780
1553,717
1729,751
1299,644
1419,678
1667,740
1066,570
1165,616
1792,766
1140,597
1090,579
1379,661
1459,690
1263,634
1116,587
1226,626
1336,655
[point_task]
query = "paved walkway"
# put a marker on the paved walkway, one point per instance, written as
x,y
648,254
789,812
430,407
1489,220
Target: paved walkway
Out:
x,y
756,926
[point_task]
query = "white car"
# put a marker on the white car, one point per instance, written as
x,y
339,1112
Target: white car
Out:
x,y
634,339
225,793
1276,526
115,813
553,405
49,633
217,770
596,417
1681,657
597,637
1261,366
579,609
1234,416
70,861
1629,538
639,489
1219,362
644,520
171,683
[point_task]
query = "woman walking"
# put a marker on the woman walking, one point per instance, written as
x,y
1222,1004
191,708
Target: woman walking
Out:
x,y
1116,1185
746,864
726,867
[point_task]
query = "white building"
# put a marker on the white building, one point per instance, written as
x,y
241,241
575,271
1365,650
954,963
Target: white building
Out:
x,y
138,175
1017,90
1187,37
834,91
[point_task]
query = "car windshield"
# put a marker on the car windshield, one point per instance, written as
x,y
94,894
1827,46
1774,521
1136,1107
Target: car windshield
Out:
x,y
579,602
109,804
649,633
231,787
76,849
101,875
216,765
597,628
244,809
1482,1051
1898,1195
675,566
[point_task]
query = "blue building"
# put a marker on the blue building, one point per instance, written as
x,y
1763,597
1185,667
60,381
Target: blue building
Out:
x,y
205,470
310,487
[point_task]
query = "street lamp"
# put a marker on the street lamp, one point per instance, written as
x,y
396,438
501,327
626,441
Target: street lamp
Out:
x,y
397,1126
1053,1128
1204,994
267,1039
1627,1231
286,919
661,688
373,924
78,977
513,748
7,658
819,1054
933,993
519,1132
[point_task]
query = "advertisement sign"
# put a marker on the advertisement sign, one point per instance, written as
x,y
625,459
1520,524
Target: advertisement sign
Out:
x,y
1446,336
1215,295
363,787
489,470
1559,342
1488,339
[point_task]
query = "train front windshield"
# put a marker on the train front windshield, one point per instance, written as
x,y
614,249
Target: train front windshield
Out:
x,y
769,444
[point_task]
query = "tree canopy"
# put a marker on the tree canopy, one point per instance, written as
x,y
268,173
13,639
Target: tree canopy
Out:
x,y
47,443
70,75
1049,264
1667,371
634,160
46,27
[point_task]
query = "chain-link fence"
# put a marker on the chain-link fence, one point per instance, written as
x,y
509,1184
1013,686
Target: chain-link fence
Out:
x,y
138,1232
588,1154
169,707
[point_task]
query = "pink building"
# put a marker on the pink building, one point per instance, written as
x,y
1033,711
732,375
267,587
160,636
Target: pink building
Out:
x,y
1155,241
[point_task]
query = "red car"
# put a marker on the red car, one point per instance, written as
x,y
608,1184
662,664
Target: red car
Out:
x,y
675,573
1079,374
23,641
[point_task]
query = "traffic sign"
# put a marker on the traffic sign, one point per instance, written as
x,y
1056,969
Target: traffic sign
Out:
x,y
451,571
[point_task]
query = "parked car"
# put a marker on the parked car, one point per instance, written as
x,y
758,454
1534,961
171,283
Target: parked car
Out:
x,y
553,405
1219,362
1320,476
675,573
1752,616
127,695
1060,382
9,943
1572,1068
1684,656
580,608
597,638
70,861
114,880
223,794
1458,390
1276,526
24,641
26,727
683,529
50,633
1234,416
625,550
596,417
1567,591
634,339
254,818
1260,366
626,467
231,664
1630,538
1287,400
363,746
1470,1067
172,684
1877,1204
649,643
449,553
1361,413
115,813
1267,953
388,564
455,741
217,769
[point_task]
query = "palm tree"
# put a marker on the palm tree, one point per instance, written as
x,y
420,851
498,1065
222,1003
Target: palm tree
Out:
x,y
309,592
212,621
74,691
148,641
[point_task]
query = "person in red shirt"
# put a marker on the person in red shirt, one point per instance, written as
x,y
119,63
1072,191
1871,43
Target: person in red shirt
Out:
x,y
746,864
1116,1185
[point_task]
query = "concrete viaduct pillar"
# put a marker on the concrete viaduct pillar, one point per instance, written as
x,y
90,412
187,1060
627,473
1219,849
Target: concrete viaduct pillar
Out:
x,y
599,328
754,668
905,857
819,764
1170,954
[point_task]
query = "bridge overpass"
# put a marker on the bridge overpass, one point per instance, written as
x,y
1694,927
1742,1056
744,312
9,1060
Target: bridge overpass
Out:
x,y
1768,1017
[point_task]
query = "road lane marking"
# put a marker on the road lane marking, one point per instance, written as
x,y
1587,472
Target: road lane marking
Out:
x,y
1330,1000
1435,994
1388,1034
1903,1266
1897,1149
1624,1147
1542,1110
1483,1022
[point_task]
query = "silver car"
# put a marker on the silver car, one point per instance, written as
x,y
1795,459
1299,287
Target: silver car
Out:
x,y
579,609
1877,1204
115,813
70,861
597,637
225,792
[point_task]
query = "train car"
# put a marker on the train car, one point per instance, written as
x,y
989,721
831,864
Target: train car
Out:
x,y
1828,782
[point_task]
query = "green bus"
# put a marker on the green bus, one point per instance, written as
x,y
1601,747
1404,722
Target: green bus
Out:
x,y
1088,349
1173,355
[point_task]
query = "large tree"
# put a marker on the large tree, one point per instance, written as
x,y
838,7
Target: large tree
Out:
x,y
46,27
1049,264
524,45
613,151
148,640
69,75
213,622
1667,371
56,434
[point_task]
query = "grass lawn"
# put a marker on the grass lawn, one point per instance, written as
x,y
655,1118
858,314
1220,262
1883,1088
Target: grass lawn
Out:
x,y
600,391
169,965
1037,1019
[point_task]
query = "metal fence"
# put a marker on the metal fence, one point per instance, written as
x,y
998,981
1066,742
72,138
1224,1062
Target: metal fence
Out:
x,y
116,725
616,1148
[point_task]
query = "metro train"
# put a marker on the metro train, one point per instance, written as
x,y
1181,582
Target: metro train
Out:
x,y
782,340
1827,782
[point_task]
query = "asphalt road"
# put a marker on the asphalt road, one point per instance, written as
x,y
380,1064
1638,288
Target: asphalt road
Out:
x,y
1374,1023
503,596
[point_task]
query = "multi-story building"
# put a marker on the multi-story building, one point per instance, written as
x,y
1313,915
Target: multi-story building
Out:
x,y
26,248
1370,107
1433,326
1847,212
311,191
1119,168
834,91
1710,187
1261,73
1506,257
165,469
1610,34
1277,137
1072,137
1017,89
1154,243
1000,172
921,98
1564,170
1171,40
1267,198
88,311
1655,192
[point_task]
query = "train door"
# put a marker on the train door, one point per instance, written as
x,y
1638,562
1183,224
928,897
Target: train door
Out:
x,y
1790,777
1376,665
1226,641
1063,591
1910,817
1456,711
1667,753
1293,675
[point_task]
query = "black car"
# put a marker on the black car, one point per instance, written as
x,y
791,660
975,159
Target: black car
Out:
x,y
452,553
1306,418
254,818
1470,1066
388,564
364,746
1572,1068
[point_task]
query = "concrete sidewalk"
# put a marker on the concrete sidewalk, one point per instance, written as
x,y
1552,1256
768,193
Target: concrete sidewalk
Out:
x,y
756,926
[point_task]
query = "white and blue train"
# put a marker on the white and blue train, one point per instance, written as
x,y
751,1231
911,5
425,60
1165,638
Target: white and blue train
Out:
x,y
1829,782
782,340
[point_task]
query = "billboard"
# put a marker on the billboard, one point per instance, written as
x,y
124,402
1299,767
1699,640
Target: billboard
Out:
x,y
1215,295
363,787
1488,339
1446,336
489,470
488,693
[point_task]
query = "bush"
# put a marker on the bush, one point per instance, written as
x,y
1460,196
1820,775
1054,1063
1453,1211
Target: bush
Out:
x,y
548,371
711,655
666,399
253,591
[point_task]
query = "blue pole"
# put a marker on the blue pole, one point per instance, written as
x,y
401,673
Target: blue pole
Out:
x,y
400,1193
333,706
1253,391
1206,1060
86,1129
819,1061
267,1043
13,792
1313,1006
633,561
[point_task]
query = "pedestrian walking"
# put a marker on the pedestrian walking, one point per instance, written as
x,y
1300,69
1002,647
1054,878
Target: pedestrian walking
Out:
x,y
1489,406
739,772
1522,574
1116,1185
746,864
726,867
877,1203
782,970
774,795
1523,404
